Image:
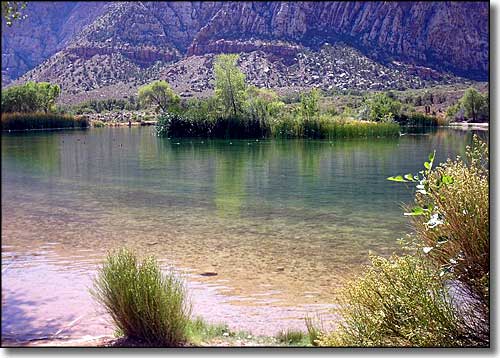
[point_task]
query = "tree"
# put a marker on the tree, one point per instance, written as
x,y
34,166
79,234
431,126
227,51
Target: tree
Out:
x,y
382,107
160,94
259,102
30,97
230,87
11,10
309,103
474,103
47,95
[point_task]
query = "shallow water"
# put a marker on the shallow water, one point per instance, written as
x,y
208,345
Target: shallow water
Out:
x,y
283,223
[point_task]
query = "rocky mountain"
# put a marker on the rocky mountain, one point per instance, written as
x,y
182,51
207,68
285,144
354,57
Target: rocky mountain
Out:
x,y
96,48
48,27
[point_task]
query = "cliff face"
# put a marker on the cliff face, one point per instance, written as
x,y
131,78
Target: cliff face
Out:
x,y
49,27
449,36
445,35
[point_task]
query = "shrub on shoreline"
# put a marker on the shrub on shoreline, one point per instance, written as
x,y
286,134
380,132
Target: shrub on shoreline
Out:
x,y
439,296
145,304
400,302
38,120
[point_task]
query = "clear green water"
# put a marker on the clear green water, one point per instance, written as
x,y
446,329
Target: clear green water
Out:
x,y
281,222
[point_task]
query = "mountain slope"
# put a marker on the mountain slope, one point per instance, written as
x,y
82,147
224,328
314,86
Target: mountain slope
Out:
x,y
91,48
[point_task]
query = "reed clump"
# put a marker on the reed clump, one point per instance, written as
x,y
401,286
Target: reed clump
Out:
x,y
145,304
40,120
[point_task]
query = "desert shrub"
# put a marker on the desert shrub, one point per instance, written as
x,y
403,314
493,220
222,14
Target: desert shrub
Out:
x,y
453,224
145,304
38,120
400,301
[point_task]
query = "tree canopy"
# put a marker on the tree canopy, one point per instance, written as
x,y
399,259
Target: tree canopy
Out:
x,y
160,94
230,87
30,97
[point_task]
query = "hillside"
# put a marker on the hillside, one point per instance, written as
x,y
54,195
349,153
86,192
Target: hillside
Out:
x,y
97,50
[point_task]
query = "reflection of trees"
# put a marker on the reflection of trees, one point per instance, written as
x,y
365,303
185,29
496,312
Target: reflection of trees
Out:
x,y
36,151
230,182
349,174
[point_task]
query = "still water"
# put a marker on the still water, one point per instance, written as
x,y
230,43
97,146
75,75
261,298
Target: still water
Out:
x,y
282,223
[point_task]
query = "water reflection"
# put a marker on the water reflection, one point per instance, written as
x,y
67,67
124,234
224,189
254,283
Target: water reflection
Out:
x,y
242,208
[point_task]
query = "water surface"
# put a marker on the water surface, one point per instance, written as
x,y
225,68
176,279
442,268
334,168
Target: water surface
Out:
x,y
282,223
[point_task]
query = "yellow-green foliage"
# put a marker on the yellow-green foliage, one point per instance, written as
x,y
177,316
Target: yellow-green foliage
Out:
x,y
328,127
159,94
399,301
456,231
23,121
144,303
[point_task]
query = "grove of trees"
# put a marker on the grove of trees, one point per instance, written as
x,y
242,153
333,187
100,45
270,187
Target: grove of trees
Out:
x,y
30,97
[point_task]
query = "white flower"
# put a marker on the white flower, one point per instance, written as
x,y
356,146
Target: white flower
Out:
x,y
427,249
434,221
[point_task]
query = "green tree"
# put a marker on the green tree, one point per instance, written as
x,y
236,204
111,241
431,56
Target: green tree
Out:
x,y
160,94
30,97
262,103
11,11
47,96
382,107
309,104
474,104
22,98
230,87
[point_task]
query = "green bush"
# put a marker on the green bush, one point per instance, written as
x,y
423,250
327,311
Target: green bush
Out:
x,y
24,121
381,106
145,304
400,301
452,203
30,97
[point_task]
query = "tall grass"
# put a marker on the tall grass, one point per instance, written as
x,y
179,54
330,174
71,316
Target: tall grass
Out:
x,y
327,127
175,125
320,127
38,120
145,304
399,301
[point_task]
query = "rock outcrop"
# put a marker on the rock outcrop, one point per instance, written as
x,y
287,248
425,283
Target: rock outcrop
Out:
x,y
443,35
428,38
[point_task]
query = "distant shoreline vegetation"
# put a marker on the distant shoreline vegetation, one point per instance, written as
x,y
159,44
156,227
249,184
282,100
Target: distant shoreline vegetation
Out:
x,y
36,120
239,110
32,106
